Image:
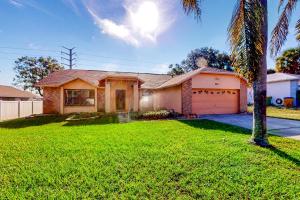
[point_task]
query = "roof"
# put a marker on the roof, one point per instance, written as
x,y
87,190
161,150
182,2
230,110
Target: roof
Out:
x,y
204,70
148,80
9,91
282,77
93,77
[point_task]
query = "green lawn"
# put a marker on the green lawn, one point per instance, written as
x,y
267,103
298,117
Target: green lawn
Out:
x,y
48,157
284,113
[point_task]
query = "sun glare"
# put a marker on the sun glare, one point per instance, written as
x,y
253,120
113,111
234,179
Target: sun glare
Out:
x,y
146,17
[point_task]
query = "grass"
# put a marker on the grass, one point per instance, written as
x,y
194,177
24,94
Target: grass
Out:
x,y
49,157
284,113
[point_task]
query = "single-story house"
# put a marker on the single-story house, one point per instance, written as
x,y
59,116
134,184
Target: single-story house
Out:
x,y
203,91
279,86
9,93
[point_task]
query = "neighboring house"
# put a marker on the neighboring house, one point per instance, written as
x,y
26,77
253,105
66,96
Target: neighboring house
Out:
x,y
279,86
9,93
203,91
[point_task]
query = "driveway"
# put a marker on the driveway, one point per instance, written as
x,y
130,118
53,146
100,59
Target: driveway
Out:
x,y
282,127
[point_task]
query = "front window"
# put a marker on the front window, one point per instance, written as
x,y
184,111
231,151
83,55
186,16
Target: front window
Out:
x,y
79,97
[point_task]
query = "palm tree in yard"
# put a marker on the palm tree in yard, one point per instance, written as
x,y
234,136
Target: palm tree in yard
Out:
x,y
281,29
248,36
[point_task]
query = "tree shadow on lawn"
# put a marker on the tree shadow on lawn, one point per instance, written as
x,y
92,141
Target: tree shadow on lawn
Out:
x,y
106,119
43,120
212,125
32,121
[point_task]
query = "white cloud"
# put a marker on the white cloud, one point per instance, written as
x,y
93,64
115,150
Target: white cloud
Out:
x,y
30,4
16,3
73,5
161,69
33,46
111,28
143,21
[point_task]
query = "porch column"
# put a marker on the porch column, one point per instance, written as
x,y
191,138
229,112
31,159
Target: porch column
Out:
x,y
107,96
61,106
136,97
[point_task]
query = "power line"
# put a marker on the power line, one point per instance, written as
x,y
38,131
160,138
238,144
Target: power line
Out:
x,y
69,52
83,54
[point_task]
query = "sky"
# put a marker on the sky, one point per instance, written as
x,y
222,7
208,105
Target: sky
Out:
x,y
122,35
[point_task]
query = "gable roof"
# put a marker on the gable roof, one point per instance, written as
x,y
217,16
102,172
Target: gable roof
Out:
x,y
149,81
184,77
9,91
282,77
93,77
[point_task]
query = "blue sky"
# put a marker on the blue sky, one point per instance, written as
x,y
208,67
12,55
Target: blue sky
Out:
x,y
124,35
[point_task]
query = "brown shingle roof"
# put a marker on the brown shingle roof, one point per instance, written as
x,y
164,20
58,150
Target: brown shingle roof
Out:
x,y
9,91
149,81
181,78
94,76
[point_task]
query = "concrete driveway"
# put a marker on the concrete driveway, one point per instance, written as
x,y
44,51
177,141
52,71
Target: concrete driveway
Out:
x,y
282,127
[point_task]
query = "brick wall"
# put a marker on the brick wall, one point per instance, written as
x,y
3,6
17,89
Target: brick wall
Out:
x,y
101,100
51,100
186,97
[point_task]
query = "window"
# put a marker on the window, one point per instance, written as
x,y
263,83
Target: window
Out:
x,y
79,97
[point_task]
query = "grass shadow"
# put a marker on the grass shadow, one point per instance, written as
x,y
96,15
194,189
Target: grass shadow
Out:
x,y
43,120
105,119
32,121
284,155
212,125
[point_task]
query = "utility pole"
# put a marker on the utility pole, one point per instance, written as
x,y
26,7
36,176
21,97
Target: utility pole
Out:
x,y
70,56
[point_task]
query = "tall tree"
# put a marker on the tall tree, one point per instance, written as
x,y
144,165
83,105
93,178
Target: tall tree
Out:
x,y
248,36
214,58
289,61
175,70
30,70
281,30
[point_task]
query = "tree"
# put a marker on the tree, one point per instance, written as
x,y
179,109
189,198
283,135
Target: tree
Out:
x,y
248,36
175,70
281,30
212,56
271,71
289,61
30,70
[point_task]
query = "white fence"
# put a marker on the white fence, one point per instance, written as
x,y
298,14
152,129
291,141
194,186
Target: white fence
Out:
x,y
17,109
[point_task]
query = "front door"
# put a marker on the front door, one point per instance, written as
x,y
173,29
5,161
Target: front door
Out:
x,y
120,100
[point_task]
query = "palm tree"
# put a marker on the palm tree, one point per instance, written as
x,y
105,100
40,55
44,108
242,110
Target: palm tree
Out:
x,y
281,29
248,36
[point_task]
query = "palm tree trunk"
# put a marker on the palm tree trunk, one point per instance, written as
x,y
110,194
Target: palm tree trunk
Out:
x,y
259,133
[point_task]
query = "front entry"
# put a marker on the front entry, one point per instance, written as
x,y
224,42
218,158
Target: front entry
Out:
x,y
120,100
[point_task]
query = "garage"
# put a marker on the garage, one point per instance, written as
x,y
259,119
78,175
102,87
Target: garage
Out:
x,y
215,101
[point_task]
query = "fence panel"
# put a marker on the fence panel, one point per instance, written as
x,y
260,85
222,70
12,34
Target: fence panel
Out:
x,y
17,109
37,107
9,110
25,108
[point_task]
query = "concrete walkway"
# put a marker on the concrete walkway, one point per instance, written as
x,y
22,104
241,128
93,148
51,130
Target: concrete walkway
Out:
x,y
282,127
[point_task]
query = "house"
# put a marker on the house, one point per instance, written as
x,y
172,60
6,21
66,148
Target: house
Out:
x,y
281,85
9,93
203,91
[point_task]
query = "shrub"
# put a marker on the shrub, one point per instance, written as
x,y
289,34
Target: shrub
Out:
x,y
161,114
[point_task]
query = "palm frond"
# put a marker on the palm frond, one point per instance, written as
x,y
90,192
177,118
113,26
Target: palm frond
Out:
x,y
245,37
281,29
298,30
192,6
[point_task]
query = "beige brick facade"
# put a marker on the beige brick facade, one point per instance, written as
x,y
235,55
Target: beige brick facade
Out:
x,y
51,100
